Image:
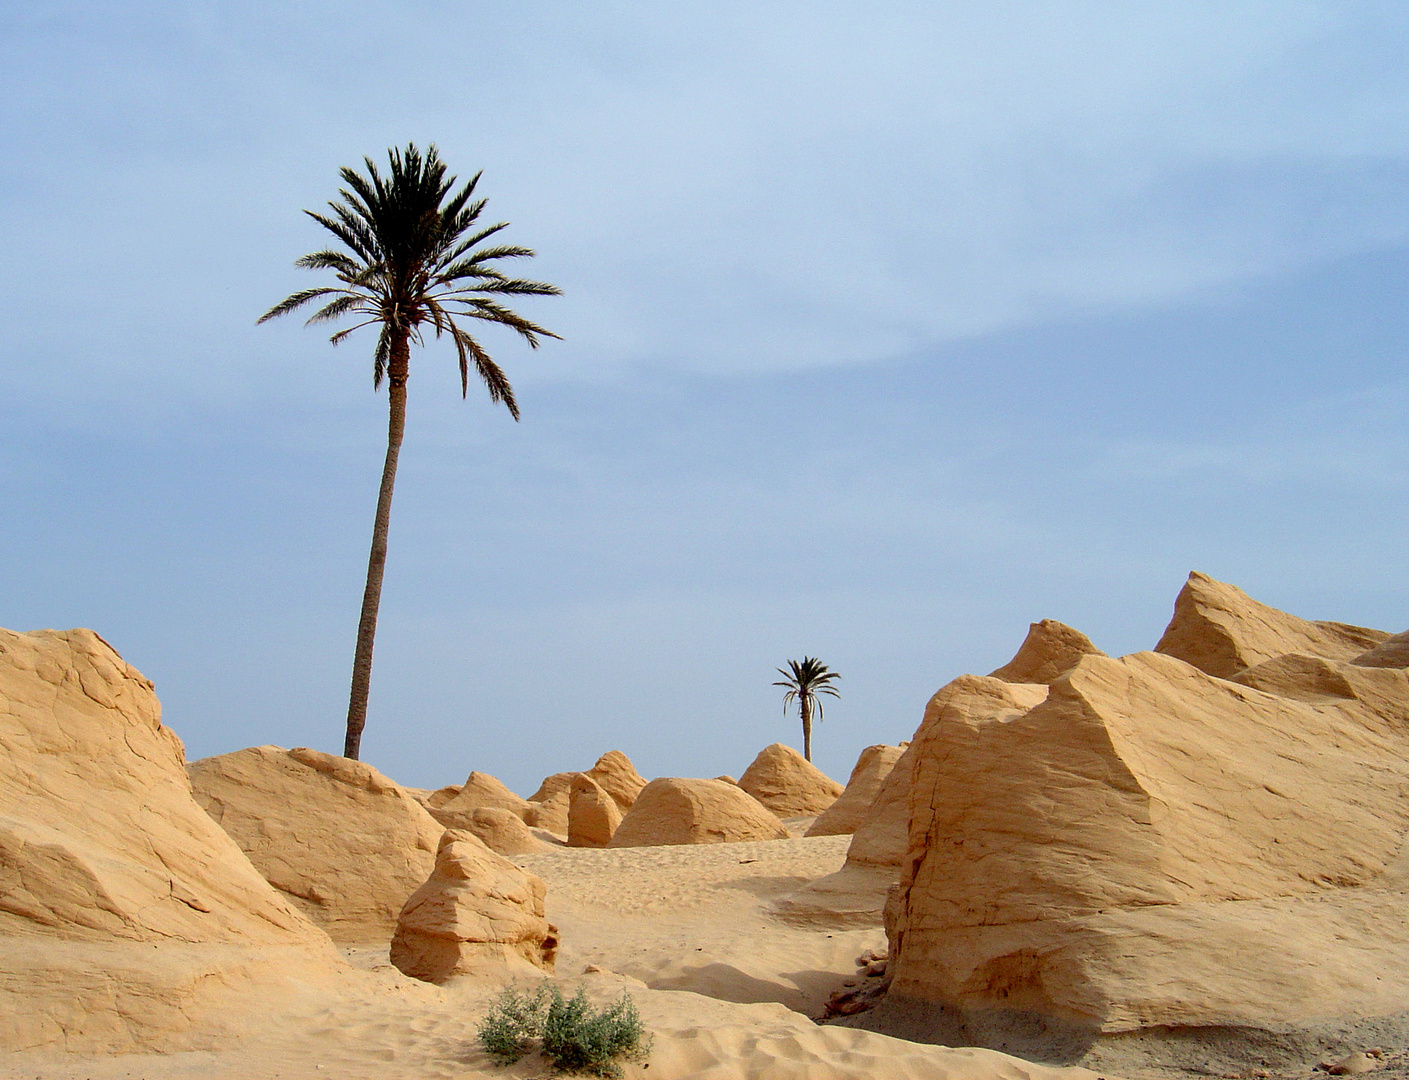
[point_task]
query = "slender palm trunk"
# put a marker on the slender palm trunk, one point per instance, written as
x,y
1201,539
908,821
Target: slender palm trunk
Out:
x,y
398,367
806,710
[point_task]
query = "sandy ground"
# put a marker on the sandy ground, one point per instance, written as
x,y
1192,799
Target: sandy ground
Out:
x,y
725,989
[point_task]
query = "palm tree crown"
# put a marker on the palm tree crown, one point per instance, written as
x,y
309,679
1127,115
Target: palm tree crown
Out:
x,y
804,683
409,262
412,259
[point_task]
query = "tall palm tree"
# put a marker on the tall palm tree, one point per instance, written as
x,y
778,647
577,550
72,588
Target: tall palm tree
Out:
x,y
410,259
804,683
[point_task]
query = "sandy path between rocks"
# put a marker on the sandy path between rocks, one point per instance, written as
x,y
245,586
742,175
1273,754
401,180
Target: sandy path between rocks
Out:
x,y
664,923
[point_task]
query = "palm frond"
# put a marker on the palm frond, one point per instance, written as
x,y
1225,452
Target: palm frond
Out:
x,y
357,225
518,287
341,306
458,247
453,209
293,303
329,260
381,356
342,335
491,373
346,235
489,311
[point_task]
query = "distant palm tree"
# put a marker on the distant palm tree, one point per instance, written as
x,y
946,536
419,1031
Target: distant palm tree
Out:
x,y
804,683
412,260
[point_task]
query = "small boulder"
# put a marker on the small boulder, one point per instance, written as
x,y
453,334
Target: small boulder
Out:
x,y
852,806
503,832
593,815
673,810
788,784
1356,1064
477,911
1049,649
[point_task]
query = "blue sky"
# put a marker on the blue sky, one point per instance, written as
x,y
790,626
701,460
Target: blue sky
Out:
x,y
886,332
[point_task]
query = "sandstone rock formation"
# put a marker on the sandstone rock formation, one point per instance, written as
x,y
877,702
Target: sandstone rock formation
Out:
x,y
593,815
476,912
549,806
615,775
1150,848
884,833
478,791
104,854
1393,652
855,896
1049,649
852,806
503,832
672,810
343,842
437,798
1221,630
787,783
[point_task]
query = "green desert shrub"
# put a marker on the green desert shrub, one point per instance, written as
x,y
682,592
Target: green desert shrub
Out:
x,y
573,1035
514,1023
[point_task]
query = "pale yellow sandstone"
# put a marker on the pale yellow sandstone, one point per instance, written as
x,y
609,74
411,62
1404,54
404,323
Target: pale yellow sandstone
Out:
x,y
342,841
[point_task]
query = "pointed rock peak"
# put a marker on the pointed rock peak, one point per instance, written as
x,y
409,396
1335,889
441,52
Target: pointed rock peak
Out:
x,y
1221,630
615,774
480,790
1050,649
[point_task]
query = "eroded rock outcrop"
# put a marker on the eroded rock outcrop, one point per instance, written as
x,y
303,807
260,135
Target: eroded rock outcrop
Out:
x,y
1152,848
476,913
787,783
615,775
675,810
854,804
549,806
343,842
104,853
593,815
1050,649
504,832
1393,652
855,896
478,791
1221,630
